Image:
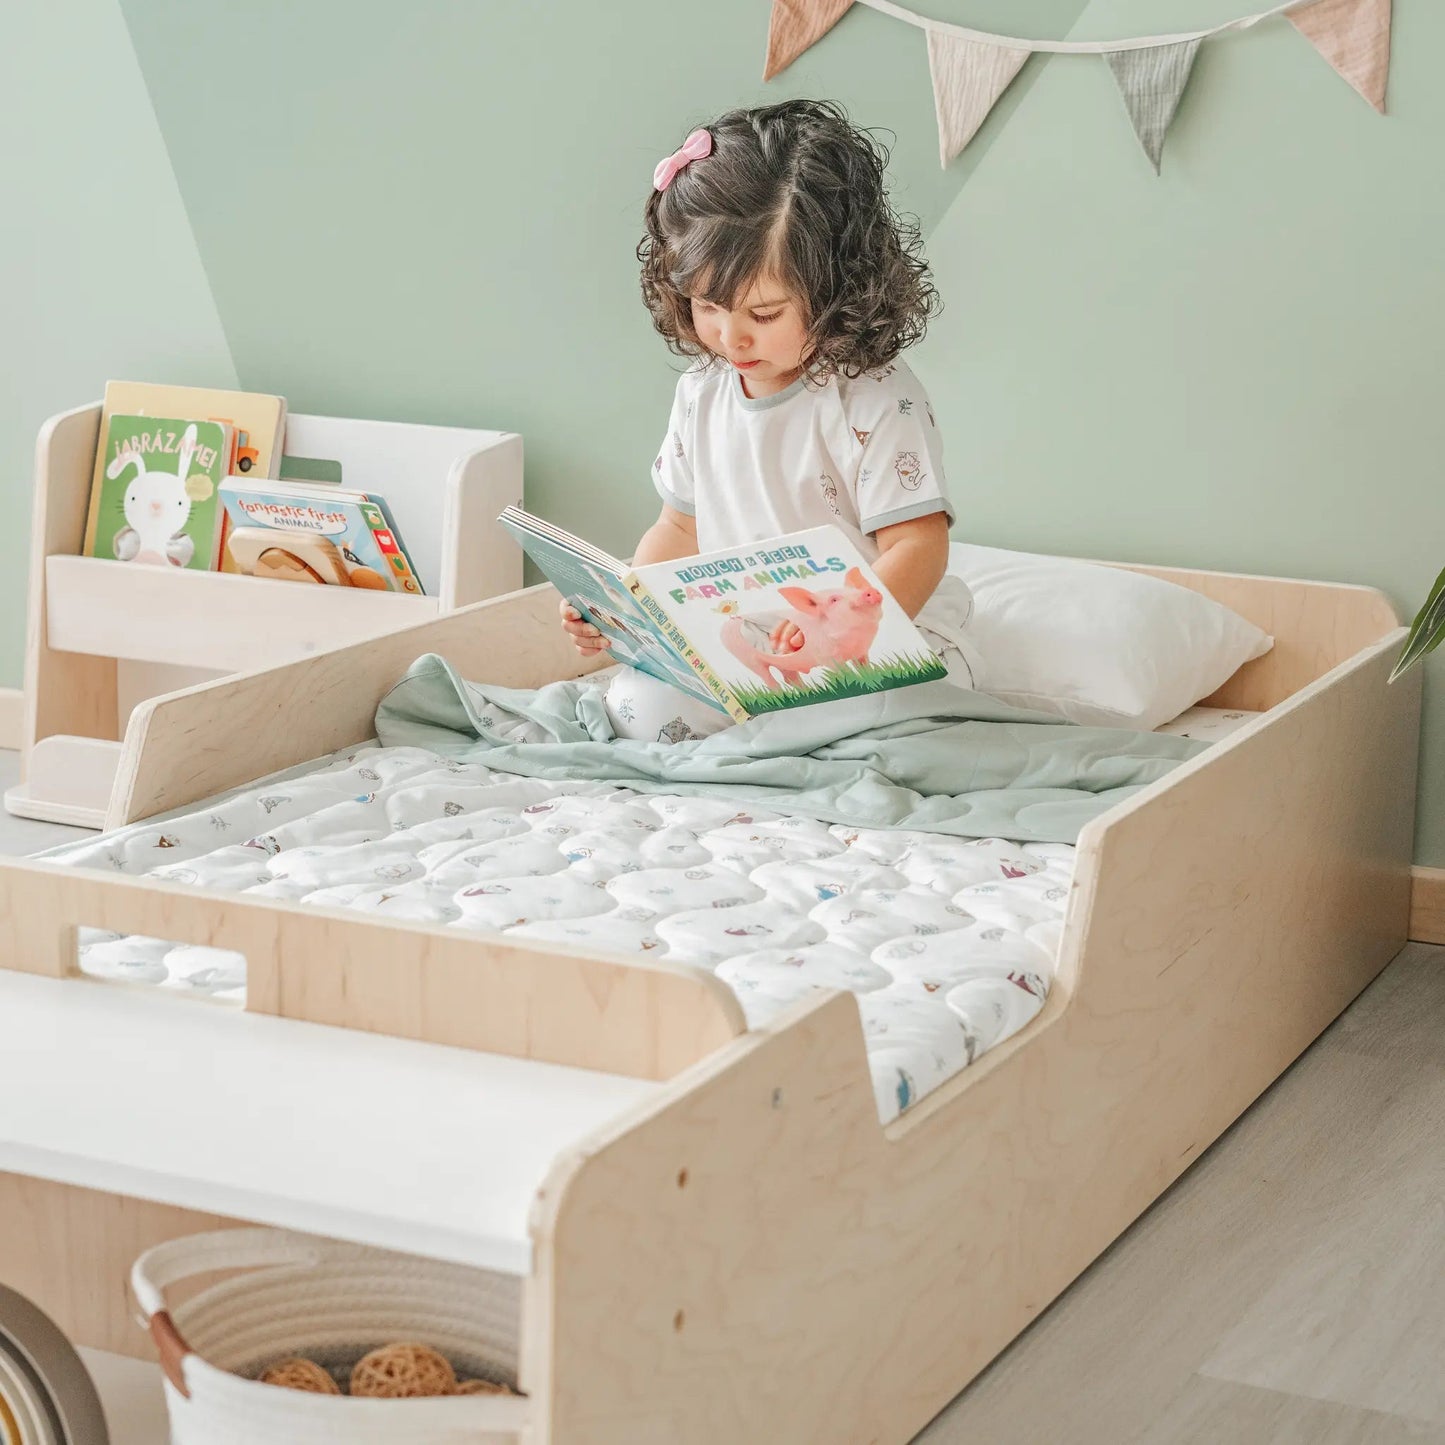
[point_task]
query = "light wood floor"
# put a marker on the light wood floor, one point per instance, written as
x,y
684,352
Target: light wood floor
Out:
x,y
1289,1290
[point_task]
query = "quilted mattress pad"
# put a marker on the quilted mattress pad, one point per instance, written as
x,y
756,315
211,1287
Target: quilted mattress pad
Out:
x,y
948,943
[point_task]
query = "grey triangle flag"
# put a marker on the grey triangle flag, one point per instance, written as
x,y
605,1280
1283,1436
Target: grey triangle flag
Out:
x,y
1151,80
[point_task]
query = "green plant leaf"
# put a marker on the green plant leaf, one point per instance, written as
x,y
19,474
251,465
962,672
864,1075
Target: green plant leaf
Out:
x,y
1426,632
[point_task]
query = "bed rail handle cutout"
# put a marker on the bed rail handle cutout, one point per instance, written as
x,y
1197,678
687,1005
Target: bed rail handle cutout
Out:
x,y
190,970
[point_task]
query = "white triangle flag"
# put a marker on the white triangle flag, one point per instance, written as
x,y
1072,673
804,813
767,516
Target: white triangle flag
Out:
x,y
968,78
1151,79
1354,36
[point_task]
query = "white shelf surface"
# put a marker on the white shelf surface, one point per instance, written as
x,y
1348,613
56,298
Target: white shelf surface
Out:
x,y
414,1147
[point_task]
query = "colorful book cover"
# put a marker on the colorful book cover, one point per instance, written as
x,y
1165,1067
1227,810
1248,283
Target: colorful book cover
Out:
x,y
157,499
709,624
256,420
318,534
593,584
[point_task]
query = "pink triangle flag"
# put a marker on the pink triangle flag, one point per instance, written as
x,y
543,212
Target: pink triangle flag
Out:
x,y
1354,36
795,25
968,78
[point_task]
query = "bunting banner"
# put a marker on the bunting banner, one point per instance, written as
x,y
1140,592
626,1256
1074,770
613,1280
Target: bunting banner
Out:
x,y
968,77
1151,82
971,69
795,25
1354,36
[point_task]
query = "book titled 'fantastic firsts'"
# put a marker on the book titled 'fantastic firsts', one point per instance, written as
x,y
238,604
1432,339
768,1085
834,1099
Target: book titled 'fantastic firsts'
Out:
x,y
707,624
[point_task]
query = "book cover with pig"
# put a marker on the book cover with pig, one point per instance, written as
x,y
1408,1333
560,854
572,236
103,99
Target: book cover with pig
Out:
x,y
784,623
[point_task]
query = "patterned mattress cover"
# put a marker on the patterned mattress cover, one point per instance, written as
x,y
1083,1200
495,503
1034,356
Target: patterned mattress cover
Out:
x,y
948,943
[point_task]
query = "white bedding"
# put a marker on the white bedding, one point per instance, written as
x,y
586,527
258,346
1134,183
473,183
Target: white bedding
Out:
x,y
948,943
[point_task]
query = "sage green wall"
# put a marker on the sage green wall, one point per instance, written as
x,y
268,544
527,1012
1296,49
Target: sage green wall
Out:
x,y
420,212
412,211
440,202
99,274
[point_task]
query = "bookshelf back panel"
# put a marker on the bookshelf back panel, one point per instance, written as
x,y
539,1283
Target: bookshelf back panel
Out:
x,y
408,465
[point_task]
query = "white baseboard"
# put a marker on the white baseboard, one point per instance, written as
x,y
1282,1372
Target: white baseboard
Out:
x,y
1427,905
12,711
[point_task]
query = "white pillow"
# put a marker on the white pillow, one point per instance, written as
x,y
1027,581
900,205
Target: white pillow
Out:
x,y
1095,644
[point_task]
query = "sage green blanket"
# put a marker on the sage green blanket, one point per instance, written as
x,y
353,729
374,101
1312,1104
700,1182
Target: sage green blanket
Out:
x,y
935,757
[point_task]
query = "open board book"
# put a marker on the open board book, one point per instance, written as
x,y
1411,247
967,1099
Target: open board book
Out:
x,y
709,624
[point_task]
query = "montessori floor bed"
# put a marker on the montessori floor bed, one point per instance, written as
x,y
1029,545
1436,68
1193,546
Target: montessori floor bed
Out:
x,y
707,1232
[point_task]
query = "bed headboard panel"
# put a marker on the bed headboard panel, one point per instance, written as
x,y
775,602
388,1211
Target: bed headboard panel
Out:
x,y
195,743
1315,626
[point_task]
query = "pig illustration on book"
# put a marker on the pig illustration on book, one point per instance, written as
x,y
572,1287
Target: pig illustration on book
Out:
x,y
838,626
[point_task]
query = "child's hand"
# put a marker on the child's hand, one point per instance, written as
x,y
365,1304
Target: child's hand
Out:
x,y
786,637
585,638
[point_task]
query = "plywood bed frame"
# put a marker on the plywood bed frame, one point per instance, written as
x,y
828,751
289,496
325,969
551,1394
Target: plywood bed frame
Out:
x,y
748,1255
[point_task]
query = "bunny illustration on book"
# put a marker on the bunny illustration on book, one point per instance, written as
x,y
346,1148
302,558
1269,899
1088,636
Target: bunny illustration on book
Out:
x,y
837,627
157,507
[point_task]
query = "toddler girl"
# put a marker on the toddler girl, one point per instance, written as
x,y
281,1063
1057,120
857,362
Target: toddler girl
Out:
x,y
774,260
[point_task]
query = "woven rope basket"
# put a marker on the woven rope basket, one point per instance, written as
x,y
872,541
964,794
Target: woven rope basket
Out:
x,y
331,1303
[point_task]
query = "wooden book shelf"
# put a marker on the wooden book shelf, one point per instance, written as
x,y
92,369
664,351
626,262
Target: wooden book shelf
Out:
x,y
103,636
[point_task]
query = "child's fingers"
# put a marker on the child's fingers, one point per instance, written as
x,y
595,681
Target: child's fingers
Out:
x,y
573,624
586,637
786,635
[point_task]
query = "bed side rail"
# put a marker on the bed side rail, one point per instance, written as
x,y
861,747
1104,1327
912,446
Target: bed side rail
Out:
x,y
754,1212
1280,855
198,742
416,981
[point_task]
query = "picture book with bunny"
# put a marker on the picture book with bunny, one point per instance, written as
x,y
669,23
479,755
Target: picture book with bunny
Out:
x,y
777,624
255,424
157,501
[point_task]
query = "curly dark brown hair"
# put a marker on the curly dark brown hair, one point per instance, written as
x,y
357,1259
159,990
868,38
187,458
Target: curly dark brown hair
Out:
x,y
795,190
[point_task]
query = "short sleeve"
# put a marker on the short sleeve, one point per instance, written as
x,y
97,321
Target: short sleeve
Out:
x,y
900,466
672,472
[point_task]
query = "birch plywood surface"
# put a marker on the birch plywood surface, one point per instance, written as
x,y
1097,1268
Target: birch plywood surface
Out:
x,y
111,609
415,981
788,1272
70,1250
64,692
1315,626
199,742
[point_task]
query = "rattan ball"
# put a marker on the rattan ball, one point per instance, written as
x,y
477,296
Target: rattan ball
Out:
x,y
300,1374
482,1387
403,1372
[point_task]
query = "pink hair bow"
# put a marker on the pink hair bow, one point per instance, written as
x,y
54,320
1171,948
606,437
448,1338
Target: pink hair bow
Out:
x,y
694,148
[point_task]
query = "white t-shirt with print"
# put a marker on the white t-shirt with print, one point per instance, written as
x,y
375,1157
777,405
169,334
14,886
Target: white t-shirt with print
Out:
x,y
857,452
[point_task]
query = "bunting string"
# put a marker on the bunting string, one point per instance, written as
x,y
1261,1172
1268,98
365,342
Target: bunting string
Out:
x,y
971,69
1072,47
